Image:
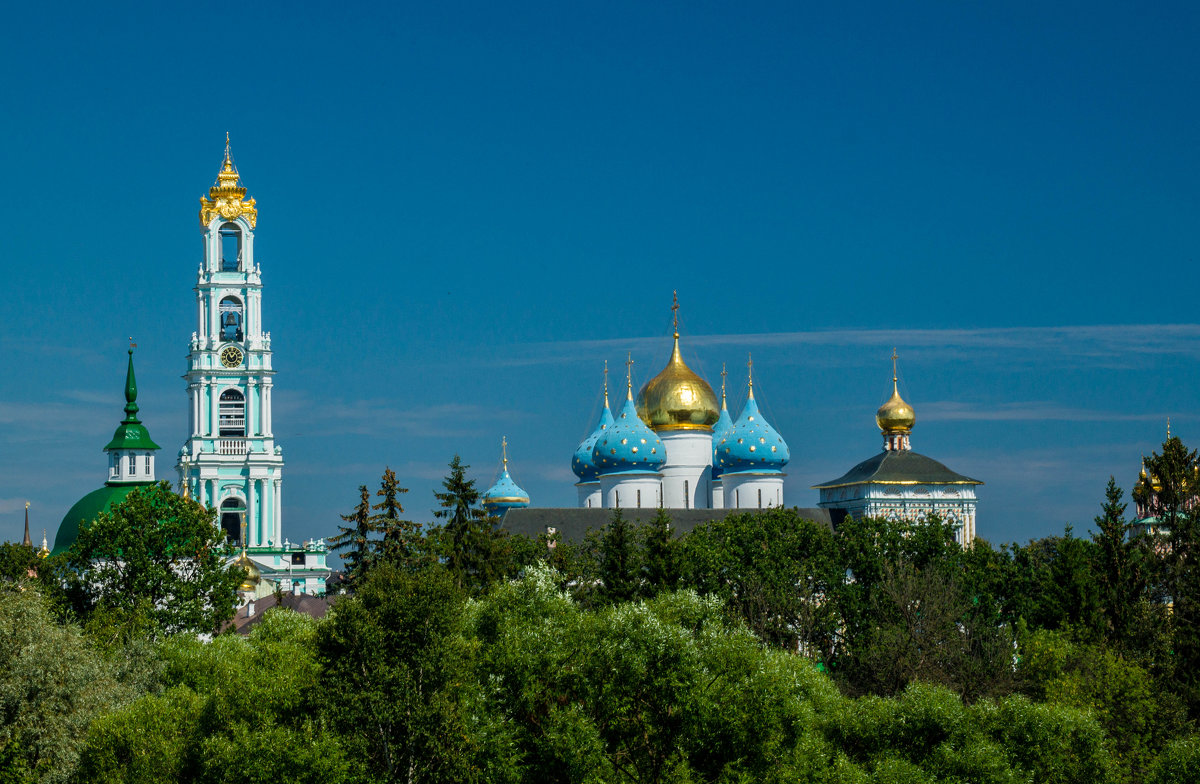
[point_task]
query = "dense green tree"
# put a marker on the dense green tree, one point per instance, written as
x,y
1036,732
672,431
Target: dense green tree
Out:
x,y
154,564
355,539
52,684
619,567
1054,585
468,541
773,570
233,710
660,560
393,666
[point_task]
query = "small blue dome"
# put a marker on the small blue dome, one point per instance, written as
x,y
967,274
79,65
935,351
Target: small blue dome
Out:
x,y
628,446
721,429
751,445
582,463
505,494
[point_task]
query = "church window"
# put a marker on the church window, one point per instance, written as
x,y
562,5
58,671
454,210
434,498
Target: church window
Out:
x,y
687,497
231,247
231,319
232,511
232,410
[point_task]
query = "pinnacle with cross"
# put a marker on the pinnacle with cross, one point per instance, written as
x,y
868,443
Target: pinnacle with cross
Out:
x,y
629,375
504,451
675,311
750,371
894,357
724,373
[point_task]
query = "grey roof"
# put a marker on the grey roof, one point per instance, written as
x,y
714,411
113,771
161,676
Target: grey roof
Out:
x,y
573,524
900,468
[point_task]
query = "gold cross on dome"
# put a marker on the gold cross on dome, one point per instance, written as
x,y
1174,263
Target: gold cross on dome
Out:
x,y
504,450
675,311
894,356
629,375
750,367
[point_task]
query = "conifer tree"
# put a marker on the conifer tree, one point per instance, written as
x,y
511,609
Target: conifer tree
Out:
x,y
356,538
400,543
1118,569
467,542
618,561
660,566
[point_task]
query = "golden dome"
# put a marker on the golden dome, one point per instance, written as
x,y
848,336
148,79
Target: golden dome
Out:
x,y
253,575
677,398
895,416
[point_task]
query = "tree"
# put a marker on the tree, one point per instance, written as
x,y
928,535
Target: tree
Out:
x,y
620,572
155,563
468,541
660,562
1120,571
53,683
401,538
356,539
393,664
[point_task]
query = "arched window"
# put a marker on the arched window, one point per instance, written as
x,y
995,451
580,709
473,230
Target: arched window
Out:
x,y
232,410
232,510
231,319
231,247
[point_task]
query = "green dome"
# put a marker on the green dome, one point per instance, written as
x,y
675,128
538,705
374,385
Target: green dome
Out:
x,y
86,510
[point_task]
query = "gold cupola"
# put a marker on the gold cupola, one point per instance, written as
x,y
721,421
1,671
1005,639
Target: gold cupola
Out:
x,y
227,197
895,417
677,398
253,574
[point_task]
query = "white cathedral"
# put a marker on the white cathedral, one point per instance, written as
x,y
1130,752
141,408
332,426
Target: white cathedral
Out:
x,y
675,448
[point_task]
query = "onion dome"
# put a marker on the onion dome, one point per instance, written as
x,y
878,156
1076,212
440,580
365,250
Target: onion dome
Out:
x,y
582,463
505,494
677,398
253,574
895,416
721,428
628,446
751,445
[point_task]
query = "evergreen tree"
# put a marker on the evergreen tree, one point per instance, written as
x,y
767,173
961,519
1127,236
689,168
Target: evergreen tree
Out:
x,y
467,541
619,568
401,538
356,539
1119,570
660,567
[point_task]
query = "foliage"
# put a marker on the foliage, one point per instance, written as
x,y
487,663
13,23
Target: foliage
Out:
x,y
402,542
356,539
471,546
52,684
392,666
153,565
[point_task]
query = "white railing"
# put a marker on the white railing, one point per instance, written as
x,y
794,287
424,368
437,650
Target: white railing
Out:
x,y
233,446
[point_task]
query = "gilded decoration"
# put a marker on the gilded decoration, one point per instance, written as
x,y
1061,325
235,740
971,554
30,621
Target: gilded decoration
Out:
x,y
226,198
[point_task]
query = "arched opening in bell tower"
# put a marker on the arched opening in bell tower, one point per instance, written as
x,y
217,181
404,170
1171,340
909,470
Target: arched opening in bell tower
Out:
x,y
231,247
231,319
232,512
232,414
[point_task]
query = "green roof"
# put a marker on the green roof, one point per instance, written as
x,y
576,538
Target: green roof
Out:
x,y
87,509
899,468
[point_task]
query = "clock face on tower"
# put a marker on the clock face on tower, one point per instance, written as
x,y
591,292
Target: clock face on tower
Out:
x,y
231,356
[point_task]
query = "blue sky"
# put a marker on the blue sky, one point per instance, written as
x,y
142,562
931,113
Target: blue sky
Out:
x,y
465,209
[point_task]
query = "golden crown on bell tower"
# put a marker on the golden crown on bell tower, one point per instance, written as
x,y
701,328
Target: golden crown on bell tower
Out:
x,y
227,198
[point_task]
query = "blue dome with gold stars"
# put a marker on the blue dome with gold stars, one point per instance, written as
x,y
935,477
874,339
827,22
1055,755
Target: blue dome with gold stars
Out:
x,y
505,494
628,446
751,445
721,429
582,463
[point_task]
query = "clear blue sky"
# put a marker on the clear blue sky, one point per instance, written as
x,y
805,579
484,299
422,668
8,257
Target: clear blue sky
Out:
x,y
466,208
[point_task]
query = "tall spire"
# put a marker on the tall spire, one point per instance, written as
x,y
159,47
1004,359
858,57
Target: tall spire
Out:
x,y
131,406
27,542
606,383
504,452
629,375
675,312
723,375
1168,428
750,372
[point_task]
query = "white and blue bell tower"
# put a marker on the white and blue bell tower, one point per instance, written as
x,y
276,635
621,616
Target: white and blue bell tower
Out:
x,y
230,460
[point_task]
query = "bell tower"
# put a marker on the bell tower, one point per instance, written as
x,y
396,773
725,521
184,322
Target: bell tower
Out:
x,y
230,460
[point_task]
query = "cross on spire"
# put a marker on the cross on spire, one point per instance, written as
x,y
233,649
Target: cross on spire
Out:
x,y
504,451
750,371
724,373
1168,428
606,383
629,375
894,357
675,311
